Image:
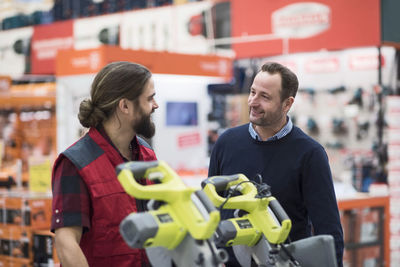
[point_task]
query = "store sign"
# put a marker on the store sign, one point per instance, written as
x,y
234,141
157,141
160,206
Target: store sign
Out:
x,y
73,62
47,48
301,20
90,62
39,174
47,40
365,62
322,65
188,140
221,67
270,27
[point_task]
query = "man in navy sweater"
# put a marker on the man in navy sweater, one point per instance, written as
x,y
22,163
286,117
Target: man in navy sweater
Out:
x,y
292,163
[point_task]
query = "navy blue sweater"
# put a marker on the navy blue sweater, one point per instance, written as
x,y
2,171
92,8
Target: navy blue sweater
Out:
x,y
297,169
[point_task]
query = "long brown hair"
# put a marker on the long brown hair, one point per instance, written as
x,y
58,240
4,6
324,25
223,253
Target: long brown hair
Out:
x,y
115,81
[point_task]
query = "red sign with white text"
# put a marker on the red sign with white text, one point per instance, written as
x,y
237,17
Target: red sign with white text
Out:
x,y
47,40
273,27
188,140
322,65
365,62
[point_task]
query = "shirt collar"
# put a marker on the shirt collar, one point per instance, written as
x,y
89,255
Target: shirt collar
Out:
x,y
133,145
282,133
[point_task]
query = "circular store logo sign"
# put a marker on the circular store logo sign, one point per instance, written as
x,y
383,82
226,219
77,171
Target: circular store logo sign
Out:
x,y
301,20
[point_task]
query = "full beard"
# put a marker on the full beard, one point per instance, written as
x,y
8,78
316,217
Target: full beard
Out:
x,y
145,127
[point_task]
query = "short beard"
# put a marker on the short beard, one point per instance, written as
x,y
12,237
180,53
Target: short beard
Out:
x,y
271,119
145,127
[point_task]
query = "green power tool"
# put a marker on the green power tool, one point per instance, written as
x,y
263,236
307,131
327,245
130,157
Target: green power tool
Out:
x,y
181,220
261,226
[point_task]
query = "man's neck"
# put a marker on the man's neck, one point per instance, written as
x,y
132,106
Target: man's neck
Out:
x,y
265,132
120,137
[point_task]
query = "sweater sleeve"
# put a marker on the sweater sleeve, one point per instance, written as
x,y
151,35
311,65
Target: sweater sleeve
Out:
x,y
213,167
320,199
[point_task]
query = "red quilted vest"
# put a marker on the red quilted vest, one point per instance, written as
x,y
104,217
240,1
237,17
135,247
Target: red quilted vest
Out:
x,y
96,160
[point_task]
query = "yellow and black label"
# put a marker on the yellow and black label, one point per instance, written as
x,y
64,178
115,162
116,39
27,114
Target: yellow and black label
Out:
x,y
244,224
164,218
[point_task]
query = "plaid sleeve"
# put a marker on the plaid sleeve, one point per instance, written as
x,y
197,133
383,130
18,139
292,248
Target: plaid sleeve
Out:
x,y
71,200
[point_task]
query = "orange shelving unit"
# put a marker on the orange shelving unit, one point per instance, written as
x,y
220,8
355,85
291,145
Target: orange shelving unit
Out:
x,y
28,133
365,222
28,113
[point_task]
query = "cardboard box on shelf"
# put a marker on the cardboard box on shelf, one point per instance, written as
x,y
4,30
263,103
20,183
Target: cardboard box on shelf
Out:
x,y
16,242
27,129
369,256
14,262
44,253
40,213
16,211
31,211
346,218
347,258
367,225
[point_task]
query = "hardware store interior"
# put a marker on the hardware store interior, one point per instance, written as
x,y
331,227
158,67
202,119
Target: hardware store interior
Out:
x,y
203,57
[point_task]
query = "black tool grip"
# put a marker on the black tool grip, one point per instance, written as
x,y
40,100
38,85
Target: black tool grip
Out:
x,y
226,231
278,211
138,168
220,182
208,205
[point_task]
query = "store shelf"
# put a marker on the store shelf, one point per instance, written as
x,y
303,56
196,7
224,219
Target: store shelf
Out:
x,y
365,222
31,95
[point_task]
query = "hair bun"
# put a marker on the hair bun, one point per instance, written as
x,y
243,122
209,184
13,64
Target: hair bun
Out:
x,y
89,115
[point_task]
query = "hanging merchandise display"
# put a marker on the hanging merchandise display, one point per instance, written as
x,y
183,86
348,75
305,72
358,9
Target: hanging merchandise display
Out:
x,y
27,150
28,133
393,168
15,51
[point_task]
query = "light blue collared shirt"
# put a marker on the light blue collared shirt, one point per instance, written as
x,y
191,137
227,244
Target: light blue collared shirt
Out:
x,y
283,132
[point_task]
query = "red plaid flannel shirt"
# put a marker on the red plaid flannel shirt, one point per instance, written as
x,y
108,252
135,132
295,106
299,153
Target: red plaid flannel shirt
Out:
x,y
71,197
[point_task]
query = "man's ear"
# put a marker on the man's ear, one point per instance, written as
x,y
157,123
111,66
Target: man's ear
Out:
x,y
123,106
288,103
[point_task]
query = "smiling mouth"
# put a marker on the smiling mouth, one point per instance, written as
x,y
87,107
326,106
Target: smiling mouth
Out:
x,y
255,113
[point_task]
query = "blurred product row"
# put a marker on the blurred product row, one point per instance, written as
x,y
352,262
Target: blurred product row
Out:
x,y
72,9
24,236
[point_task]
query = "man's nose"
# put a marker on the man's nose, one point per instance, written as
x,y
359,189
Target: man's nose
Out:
x,y
252,101
155,105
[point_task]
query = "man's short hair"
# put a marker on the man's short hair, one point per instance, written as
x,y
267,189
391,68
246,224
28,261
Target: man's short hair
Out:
x,y
289,85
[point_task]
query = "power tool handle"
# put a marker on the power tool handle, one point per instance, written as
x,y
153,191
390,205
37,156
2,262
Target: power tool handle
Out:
x,y
208,205
138,168
277,209
220,182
